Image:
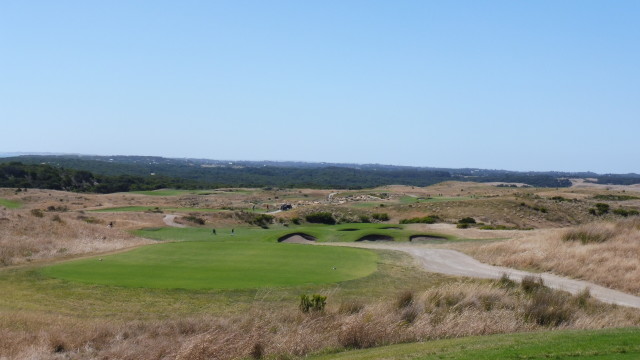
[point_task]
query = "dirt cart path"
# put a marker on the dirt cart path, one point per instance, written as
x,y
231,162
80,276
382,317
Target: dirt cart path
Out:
x,y
170,220
453,262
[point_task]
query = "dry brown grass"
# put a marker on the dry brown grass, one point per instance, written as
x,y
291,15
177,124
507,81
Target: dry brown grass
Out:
x,y
458,309
25,237
607,253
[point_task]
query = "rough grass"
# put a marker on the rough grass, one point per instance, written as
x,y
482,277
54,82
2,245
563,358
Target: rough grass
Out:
x,y
456,310
605,253
24,237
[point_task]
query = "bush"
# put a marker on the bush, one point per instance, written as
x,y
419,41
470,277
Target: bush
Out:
x,y
262,220
364,219
321,218
467,220
431,219
380,216
296,220
531,284
37,213
548,308
600,209
462,226
625,212
314,303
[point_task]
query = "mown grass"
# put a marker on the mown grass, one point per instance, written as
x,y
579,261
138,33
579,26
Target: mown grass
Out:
x,y
583,344
10,204
220,265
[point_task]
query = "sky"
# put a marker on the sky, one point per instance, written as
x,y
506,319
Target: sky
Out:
x,y
517,85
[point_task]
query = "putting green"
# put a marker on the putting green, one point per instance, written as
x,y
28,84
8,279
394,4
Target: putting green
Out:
x,y
220,265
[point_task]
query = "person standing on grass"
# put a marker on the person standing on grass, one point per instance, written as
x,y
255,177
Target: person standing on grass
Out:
x,y
232,231
213,231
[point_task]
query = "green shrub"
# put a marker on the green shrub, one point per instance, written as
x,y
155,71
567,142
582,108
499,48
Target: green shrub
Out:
x,y
611,197
462,226
37,213
431,219
467,220
625,212
296,220
321,218
600,209
262,220
364,219
314,303
380,216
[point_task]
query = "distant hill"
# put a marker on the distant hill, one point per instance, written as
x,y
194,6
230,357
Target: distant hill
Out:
x,y
124,173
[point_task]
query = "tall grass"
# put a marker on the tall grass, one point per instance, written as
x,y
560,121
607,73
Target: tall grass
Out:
x,y
607,253
453,310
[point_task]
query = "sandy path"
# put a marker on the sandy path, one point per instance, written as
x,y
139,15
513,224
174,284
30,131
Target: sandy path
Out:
x,y
453,262
170,220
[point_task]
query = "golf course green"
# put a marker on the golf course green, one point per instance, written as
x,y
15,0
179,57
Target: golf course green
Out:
x,y
220,265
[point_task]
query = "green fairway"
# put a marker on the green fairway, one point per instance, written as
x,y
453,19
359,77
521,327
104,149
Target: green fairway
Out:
x,y
606,344
10,204
220,265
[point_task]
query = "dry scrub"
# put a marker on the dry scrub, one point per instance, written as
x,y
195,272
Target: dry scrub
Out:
x,y
458,309
606,253
33,235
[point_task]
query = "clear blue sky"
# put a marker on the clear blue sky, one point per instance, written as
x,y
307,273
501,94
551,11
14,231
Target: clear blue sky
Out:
x,y
519,85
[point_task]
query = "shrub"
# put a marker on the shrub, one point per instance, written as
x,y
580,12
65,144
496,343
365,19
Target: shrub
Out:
x,y
548,308
531,284
321,218
52,208
625,212
462,226
37,213
431,219
505,282
262,220
600,209
364,219
467,220
296,220
380,216
314,303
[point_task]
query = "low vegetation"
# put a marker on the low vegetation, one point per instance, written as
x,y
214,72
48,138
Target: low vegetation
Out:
x,y
602,252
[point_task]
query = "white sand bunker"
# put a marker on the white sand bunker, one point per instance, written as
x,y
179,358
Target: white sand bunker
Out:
x,y
426,238
297,238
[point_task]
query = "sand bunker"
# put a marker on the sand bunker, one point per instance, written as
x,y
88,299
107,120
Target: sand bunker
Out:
x,y
426,238
376,237
391,228
297,238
